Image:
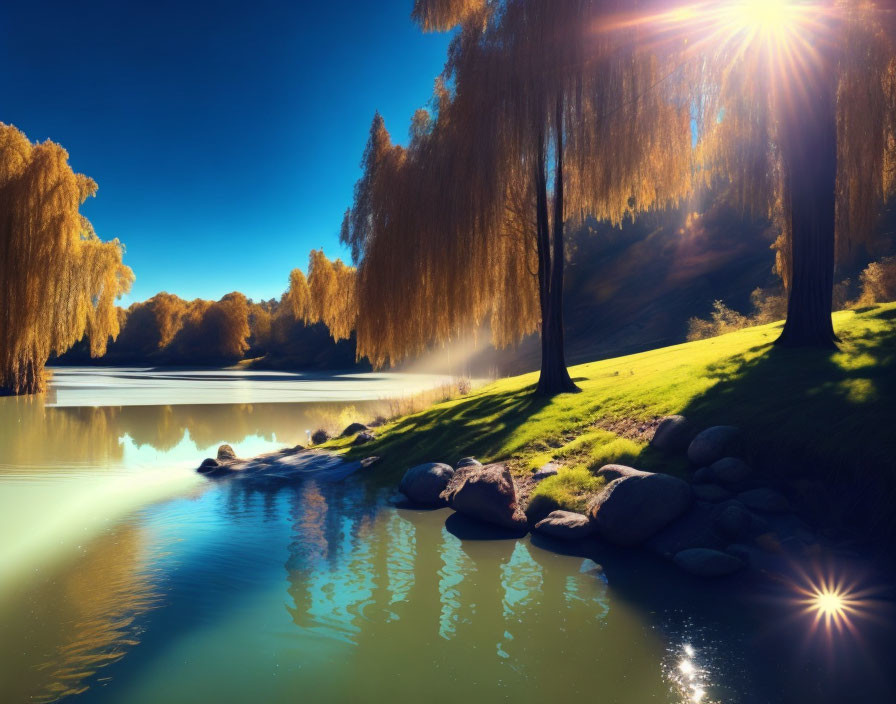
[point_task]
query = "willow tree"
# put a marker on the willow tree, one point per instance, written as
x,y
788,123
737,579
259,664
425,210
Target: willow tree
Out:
x,y
799,112
545,112
326,296
59,281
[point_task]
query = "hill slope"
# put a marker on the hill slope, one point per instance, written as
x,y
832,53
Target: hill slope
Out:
x,y
823,415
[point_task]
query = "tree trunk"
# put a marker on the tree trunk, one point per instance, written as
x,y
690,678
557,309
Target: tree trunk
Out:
x,y
554,377
809,146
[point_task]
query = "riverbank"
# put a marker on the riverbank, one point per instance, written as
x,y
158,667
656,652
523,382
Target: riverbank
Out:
x,y
821,420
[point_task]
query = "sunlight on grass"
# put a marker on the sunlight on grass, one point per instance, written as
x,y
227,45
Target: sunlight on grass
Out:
x,y
568,490
779,397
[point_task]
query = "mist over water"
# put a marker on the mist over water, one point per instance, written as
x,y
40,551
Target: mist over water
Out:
x,y
126,577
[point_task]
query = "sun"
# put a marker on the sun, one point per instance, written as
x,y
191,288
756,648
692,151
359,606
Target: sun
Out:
x,y
829,603
762,15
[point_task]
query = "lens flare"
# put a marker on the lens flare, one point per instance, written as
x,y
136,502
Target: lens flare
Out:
x,y
762,15
829,603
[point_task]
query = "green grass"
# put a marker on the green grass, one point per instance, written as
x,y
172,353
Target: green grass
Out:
x,y
830,411
569,489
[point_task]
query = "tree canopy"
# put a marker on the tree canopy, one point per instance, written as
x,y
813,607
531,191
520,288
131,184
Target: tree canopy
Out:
x,y
545,113
59,280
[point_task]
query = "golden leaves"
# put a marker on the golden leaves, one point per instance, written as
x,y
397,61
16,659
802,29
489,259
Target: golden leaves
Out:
x,y
59,280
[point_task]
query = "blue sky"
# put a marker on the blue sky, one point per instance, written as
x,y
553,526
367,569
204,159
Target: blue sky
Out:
x,y
225,136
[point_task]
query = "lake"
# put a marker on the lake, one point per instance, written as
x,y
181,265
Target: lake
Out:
x,y
127,577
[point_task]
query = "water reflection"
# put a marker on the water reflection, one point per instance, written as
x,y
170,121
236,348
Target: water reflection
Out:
x,y
35,436
62,628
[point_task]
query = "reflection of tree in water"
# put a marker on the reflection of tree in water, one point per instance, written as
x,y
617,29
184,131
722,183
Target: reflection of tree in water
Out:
x,y
77,621
400,591
33,434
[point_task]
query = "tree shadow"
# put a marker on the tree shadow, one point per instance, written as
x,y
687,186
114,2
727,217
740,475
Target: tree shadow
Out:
x,y
478,425
821,415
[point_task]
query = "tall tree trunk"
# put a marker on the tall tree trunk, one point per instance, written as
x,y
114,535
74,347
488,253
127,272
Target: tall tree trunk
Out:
x,y
554,377
809,146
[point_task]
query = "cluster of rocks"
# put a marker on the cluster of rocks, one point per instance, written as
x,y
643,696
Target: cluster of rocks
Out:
x,y
361,432
722,520
273,468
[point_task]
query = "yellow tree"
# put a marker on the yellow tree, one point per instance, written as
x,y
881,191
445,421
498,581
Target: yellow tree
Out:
x,y
546,112
327,296
58,280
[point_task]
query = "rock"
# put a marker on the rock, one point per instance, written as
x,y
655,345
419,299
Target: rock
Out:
x,y
423,484
730,470
368,461
487,493
713,444
672,434
225,452
566,525
209,464
548,470
764,500
694,529
377,422
362,438
704,475
467,462
637,504
320,436
711,492
611,472
705,562
353,428
736,523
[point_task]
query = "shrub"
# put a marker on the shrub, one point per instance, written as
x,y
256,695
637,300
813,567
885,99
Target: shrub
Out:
x,y
879,282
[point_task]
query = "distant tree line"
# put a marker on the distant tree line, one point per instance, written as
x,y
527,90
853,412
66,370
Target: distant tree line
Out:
x,y
301,329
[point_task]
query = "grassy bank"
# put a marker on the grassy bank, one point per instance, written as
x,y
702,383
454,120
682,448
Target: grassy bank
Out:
x,y
825,414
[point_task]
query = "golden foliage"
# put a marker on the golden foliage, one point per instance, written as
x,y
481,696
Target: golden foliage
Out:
x,y
742,91
879,282
59,280
442,15
333,301
446,231
297,299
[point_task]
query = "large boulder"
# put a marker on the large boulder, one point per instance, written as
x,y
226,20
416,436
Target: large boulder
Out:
x,y
487,493
353,428
423,484
320,436
672,434
705,562
566,525
637,504
711,492
694,529
730,470
713,444
733,521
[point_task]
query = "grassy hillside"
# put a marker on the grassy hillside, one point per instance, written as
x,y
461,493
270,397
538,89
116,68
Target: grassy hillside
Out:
x,y
822,414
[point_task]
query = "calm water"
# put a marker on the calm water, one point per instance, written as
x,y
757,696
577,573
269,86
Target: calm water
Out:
x,y
125,577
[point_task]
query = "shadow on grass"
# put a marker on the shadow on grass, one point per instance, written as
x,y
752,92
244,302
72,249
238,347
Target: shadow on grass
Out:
x,y
476,426
816,414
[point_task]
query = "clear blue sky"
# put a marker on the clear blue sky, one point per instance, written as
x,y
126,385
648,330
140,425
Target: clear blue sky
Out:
x,y
225,136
